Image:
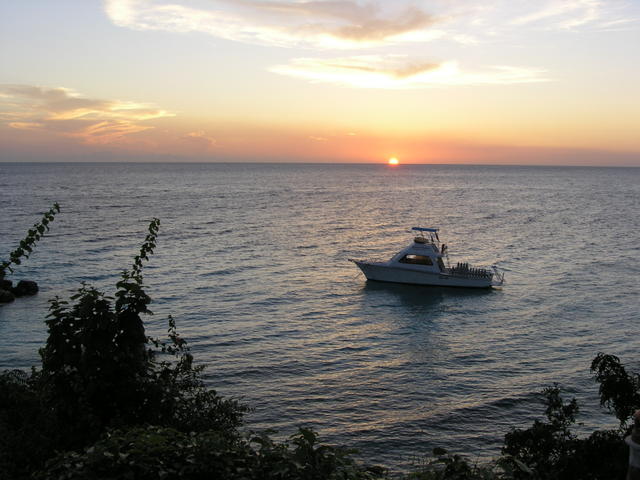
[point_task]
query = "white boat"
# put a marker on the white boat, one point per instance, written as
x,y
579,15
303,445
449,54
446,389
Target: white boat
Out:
x,y
421,263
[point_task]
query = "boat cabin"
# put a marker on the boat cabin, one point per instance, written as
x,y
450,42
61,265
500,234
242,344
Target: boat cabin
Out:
x,y
425,252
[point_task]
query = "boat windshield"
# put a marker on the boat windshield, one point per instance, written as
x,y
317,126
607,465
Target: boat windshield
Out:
x,y
416,259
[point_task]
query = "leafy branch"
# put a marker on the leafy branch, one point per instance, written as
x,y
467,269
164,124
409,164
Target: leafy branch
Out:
x,y
130,296
619,390
28,243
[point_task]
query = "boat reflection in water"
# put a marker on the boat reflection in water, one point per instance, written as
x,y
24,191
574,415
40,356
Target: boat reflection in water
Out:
x,y
423,263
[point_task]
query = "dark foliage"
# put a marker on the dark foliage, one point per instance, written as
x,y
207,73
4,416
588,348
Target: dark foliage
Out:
x,y
151,453
445,466
551,451
101,371
619,390
548,450
27,431
545,444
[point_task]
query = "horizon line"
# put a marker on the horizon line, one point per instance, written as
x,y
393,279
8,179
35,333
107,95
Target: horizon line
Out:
x,y
242,162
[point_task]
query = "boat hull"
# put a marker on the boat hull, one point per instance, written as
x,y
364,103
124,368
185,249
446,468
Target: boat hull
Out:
x,y
394,274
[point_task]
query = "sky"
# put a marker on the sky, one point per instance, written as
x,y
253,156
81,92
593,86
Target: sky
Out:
x,y
550,82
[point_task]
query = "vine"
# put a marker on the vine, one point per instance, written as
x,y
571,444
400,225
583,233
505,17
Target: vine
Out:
x,y
28,243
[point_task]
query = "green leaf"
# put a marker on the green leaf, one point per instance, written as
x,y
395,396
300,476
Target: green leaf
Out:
x,y
524,468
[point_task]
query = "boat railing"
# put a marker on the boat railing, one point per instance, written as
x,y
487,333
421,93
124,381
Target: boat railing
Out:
x,y
464,270
367,260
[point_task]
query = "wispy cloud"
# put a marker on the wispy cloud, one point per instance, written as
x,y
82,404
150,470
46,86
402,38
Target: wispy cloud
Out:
x,y
381,26
335,23
397,72
564,13
199,139
65,112
358,23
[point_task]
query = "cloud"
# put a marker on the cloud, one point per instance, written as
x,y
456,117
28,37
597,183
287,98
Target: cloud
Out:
x,y
397,72
199,139
319,23
26,125
382,26
63,111
361,23
572,15
564,13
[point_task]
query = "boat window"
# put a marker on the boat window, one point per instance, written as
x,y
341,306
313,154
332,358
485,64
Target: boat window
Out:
x,y
416,259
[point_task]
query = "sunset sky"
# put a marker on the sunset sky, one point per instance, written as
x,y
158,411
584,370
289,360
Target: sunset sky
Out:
x,y
426,81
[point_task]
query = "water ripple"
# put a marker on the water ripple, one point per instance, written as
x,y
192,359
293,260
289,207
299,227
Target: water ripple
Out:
x,y
251,261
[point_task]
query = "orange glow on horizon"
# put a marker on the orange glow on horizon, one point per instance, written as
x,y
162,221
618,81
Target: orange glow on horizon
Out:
x,y
393,161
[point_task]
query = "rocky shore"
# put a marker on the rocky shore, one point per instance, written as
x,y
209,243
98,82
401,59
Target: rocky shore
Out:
x,y
8,292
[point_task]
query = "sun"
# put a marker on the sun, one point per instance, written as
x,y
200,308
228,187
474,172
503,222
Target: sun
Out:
x,y
393,161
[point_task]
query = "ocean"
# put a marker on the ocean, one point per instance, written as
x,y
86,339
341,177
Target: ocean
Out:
x,y
252,263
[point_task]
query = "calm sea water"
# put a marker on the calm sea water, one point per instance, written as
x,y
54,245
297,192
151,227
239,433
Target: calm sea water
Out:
x,y
252,263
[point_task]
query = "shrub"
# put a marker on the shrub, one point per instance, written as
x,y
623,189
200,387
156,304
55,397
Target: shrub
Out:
x,y
151,453
100,371
552,451
28,431
445,466
619,390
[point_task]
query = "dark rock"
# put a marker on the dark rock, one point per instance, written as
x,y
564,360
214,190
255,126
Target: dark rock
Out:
x,y
6,296
25,287
6,284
